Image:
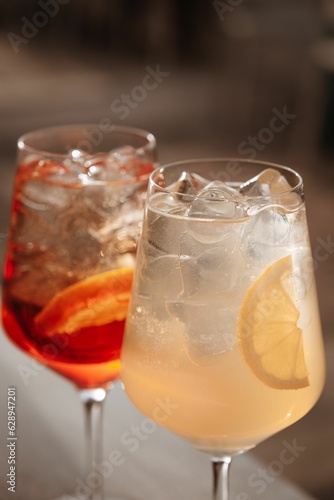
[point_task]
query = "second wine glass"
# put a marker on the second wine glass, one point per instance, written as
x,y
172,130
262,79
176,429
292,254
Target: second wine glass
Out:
x,y
76,218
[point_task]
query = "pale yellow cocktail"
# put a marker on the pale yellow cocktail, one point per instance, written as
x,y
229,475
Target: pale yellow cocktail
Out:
x,y
224,324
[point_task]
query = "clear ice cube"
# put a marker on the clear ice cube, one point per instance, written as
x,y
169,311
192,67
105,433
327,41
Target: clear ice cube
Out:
x,y
41,196
218,268
109,208
73,244
264,236
209,327
162,269
216,201
210,269
270,227
166,202
117,165
41,277
160,279
40,205
272,185
160,233
187,186
267,183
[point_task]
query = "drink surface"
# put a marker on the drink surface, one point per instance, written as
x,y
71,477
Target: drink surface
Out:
x,y
70,256
224,323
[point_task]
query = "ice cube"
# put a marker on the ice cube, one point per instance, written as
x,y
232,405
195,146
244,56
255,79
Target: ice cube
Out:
x,y
162,269
209,327
216,201
75,246
264,236
165,202
272,185
109,207
219,267
160,279
123,153
102,171
130,162
115,166
210,269
303,273
270,227
162,232
119,238
267,183
41,276
41,196
33,232
190,278
187,186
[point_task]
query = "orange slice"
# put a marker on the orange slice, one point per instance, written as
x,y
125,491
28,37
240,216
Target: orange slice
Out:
x,y
268,335
94,301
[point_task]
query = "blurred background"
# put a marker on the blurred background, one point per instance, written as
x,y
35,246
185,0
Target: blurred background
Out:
x,y
223,70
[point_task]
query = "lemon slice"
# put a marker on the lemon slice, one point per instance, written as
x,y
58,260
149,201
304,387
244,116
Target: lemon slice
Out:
x,y
94,301
268,335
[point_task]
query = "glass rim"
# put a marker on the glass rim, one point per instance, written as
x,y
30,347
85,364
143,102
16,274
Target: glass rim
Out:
x,y
134,131
197,161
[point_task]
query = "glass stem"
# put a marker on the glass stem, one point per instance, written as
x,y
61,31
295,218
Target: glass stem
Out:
x,y
92,400
220,478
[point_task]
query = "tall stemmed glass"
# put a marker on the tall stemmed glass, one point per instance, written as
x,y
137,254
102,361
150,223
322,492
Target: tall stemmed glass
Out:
x,y
223,323
76,217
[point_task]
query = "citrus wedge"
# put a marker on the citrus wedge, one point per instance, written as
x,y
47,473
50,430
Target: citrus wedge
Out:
x,y
268,335
94,301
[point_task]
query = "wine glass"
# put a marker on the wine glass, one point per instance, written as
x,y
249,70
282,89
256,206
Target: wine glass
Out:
x,y
223,323
76,216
